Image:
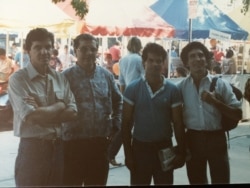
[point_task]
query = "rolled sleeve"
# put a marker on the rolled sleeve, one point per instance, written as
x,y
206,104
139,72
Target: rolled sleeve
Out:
x,y
17,94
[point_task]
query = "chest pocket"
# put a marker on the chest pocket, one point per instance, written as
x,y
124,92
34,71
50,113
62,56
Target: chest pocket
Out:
x,y
59,95
41,100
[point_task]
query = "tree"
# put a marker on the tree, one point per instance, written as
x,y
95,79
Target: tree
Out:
x,y
80,7
245,7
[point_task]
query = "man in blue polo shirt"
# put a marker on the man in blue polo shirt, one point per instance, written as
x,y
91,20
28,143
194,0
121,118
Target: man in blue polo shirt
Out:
x,y
151,106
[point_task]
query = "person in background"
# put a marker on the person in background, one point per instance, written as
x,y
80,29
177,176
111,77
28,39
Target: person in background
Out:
x,y
229,63
25,56
115,51
108,63
41,100
13,50
202,111
6,66
130,65
173,52
181,72
66,58
153,107
216,70
130,68
55,62
99,103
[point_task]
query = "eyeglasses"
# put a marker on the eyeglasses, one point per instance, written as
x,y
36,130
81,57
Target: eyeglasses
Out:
x,y
85,49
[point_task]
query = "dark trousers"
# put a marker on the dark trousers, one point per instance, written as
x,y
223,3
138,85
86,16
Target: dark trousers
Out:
x,y
147,164
115,145
208,148
39,163
86,162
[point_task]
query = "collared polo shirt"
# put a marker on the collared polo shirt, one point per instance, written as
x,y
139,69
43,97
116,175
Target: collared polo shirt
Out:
x,y
152,111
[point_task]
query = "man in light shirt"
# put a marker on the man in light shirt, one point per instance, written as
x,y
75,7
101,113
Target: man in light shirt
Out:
x,y
202,117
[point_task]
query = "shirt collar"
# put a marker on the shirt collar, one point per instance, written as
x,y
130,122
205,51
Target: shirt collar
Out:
x,y
149,88
208,76
32,72
85,72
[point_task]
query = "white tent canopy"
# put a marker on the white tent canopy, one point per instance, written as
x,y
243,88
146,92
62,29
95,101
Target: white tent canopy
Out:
x,y
21,15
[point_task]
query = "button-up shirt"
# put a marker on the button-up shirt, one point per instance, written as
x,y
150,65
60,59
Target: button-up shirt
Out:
x,y
198,114
98,100
46,90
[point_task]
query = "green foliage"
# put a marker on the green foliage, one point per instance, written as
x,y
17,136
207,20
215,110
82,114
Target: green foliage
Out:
x,y
245,7
80,7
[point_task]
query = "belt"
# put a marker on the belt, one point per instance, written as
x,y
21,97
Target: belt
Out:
x,y
44,139
205,131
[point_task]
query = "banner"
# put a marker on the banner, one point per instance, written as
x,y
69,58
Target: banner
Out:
x,y
219,35
192,8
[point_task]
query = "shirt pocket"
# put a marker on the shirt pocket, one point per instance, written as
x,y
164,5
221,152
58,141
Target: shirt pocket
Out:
x,y
41,100
59,96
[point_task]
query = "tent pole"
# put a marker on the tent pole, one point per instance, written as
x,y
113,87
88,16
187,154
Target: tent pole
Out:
x,y
7,42
21,57
190,30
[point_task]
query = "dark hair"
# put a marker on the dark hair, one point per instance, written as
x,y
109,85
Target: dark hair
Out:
x,y
2,51
84,36
195,45
217,69
38,34
229,53
55,52
134,45
117,42
153,48
182,71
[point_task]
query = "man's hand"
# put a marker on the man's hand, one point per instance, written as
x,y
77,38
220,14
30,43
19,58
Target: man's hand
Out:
x,y
178,161
31,101
208,97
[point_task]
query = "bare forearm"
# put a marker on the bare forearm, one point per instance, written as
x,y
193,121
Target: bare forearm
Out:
x,y
46,114
127,137
179,132
68,115
234,113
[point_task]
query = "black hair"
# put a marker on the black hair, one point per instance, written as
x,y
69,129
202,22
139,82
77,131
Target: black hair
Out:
x,y
84,36
195,45
134,45
229,53
182,71
2,51
55,52
38,34
217,69
153,48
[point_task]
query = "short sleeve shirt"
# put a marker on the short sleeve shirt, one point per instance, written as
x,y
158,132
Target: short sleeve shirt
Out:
x,y
199,115
46,90
152,111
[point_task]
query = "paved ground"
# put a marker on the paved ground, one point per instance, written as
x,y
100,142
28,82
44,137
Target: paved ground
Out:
x,y
239,153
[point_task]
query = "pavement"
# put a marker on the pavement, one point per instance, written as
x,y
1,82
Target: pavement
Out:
x,y
239,153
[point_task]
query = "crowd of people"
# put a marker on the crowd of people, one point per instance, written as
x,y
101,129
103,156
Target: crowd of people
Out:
x,y
72,116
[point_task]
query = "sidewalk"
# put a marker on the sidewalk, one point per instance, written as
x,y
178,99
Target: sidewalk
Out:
x,y
239,154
